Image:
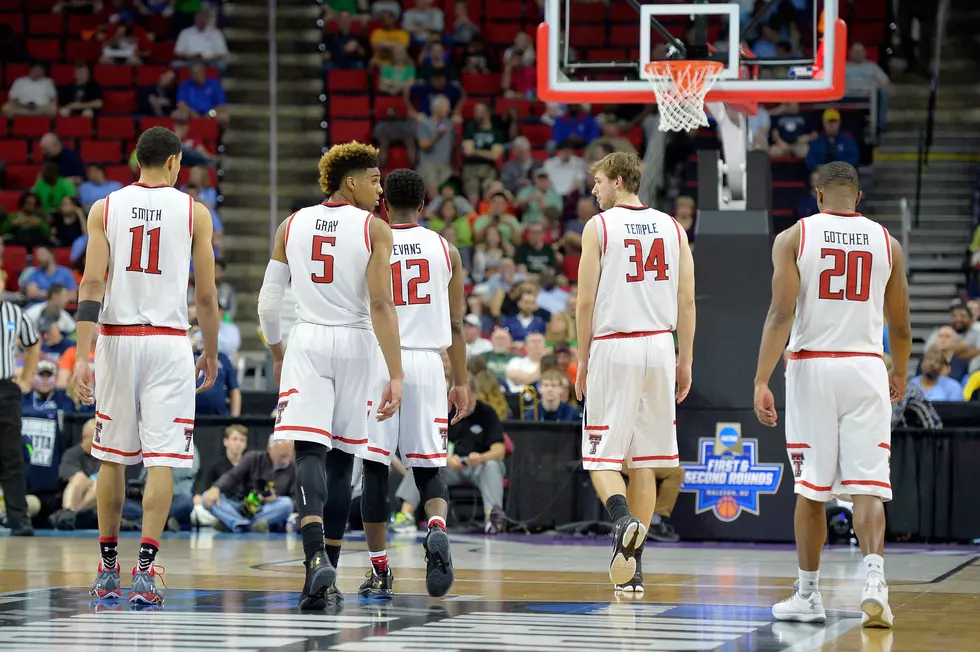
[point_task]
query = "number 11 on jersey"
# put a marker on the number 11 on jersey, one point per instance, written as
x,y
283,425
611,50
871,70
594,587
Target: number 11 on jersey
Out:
x,y
136,254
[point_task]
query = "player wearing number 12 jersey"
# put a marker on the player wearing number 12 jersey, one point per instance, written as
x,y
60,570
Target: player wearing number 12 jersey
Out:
x,y
142,239
636,285
840,271
336,256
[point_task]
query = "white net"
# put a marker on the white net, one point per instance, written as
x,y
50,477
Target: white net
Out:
x,y
680,87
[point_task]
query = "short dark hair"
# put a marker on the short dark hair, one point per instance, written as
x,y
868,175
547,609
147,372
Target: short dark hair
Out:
x,y
499,194
404,189
155,146
341,161
960,306
838,173
55,289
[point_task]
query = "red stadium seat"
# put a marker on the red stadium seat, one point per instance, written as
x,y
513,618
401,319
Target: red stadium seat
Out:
x,y
159,26
4,127
8,202
162,52
119,102
866,32
505,11
45,25
15,21
467,110
14,262
44,49
387,107
151,121
120,173
31,125
587,36
40,6
487,84
13,151
14,71
347,81
79,24
22,176
62,256
350,106
500,33
114,76
73,127
398,158
524,107
148,75
538,134
94,151
78,50
625,34
62,74
342,131
202,129
183,74
116,128
588,12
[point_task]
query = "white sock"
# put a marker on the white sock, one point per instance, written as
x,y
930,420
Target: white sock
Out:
x,y
809,583
875,565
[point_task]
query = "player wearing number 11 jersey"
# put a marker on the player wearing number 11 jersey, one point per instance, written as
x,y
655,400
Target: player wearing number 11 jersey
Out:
x,y
636,286
840,272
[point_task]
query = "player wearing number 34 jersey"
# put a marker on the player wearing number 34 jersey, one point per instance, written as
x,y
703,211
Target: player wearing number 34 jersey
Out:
x,y
840,272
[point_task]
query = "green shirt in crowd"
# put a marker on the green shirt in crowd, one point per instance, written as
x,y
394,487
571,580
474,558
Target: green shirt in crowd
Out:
x,y
51,195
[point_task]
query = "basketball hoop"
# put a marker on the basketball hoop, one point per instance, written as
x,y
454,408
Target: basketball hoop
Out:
x,y
680,87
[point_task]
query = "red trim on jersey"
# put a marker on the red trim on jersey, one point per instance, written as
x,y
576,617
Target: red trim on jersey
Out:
x,y
445,250
677,225
406,225
179,456
187,421
102,416
888,245
624,336
367,232
140,184
336,204
885,446
813,486
441,420
799,254
291,391
874,483
797,445
140,330
597,427
318,431
602,459
632,208
105,215
113,451
190,217
374,449
289,223
605,233
651,458
842,214
810,355
420,456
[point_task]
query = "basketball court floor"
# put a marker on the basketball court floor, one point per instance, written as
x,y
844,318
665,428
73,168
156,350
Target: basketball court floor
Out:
x,y
517,593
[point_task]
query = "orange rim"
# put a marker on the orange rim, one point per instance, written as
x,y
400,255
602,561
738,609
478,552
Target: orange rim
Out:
x,y
678,71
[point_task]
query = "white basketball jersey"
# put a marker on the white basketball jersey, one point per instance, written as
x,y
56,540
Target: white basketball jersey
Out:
x,y
845,261
328,247
639,266
149,229
420,274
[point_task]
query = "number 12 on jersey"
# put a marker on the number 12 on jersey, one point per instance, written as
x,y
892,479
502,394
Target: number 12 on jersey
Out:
x,y
412,291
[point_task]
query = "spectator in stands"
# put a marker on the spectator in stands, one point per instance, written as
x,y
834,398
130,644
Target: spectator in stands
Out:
x,y
832,145
386,37
533,200
434,59
34,94
551,297
333,8
260,485
517,172
526,370
519,80
525,321
121,46
523,47
584,210
52,310
66,365
395,129
397,75
424,20
51,188
27,227
565,362
227,298
67,222
218,234
534,255
202,43
576,127
550,407
422,95
475,57
685,213
449,217
499,285
224,398
447,193
53,342
202,97
37,280
567,172
476,344
934,382
866,78
69,162
344,49
97,187
791,132
195,155
83,97
949,345
229,337
610,139
464,29
502,353
80,471
508,225
159,99
489,253
807,203
483,147
235,441
765,46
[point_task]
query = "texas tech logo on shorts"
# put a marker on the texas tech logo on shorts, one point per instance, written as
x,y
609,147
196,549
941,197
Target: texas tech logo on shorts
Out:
x,y
594,441
279,409
444,434
189,437
797,464
98,432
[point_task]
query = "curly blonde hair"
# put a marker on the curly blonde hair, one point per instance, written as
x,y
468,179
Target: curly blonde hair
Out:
x,y
343,160
487,389
568,336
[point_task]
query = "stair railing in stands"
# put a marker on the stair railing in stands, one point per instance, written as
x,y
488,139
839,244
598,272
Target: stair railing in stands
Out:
x,y
926,136
273,129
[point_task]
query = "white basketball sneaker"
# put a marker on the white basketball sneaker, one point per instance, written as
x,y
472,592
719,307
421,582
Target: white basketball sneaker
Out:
x,y
799,609
874,604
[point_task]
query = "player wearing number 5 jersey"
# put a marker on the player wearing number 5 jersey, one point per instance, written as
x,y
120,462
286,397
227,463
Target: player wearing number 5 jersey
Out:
x,y
142,239
636,285
427,281
336,255
840,271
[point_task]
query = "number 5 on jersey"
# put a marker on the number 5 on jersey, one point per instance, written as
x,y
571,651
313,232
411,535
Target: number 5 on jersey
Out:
x,y
320,256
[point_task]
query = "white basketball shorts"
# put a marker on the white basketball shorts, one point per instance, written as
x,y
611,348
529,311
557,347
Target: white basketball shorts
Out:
x,y
144,396
420,428
838,424
325,392
629,403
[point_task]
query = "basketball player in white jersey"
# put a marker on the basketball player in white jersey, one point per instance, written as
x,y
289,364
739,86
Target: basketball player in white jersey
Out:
x,y
839,271
336,255
141,241
428,278
636,286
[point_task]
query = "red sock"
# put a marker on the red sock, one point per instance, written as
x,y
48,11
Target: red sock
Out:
x,y
379,561
437,521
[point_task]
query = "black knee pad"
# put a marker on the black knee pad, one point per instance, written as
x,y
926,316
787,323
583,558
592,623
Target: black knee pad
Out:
x,y
429,483
339,466
311,492
374,498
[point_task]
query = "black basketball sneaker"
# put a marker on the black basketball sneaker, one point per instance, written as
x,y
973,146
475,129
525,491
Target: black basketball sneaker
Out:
x,y
628,535
439,574
319,576
377,586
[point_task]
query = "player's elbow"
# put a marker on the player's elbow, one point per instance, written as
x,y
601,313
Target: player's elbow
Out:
x,y
382,306
205,299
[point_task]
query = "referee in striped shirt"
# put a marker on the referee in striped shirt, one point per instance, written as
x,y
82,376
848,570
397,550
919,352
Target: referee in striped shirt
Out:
x,y
14,326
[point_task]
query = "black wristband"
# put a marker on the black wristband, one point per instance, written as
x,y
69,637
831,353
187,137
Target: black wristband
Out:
x,y
88,311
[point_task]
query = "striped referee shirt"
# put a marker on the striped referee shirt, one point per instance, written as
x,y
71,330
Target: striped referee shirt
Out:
x,y
14,325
